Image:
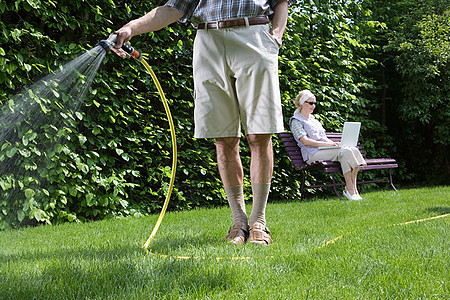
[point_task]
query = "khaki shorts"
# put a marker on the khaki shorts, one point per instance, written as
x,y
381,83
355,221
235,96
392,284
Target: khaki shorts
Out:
x,y
236,82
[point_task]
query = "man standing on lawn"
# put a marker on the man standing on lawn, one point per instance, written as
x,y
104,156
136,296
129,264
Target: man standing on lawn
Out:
x,y
235,64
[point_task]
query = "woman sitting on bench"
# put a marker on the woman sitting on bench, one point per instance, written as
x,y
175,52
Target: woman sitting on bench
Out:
x,y
309,134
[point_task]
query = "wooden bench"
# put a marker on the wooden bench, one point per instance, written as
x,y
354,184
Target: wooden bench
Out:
x,y
294,153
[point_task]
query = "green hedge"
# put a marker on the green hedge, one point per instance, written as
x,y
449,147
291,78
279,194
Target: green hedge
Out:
x,y
110,154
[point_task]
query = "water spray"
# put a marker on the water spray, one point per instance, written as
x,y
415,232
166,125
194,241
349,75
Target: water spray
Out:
x,y
125,51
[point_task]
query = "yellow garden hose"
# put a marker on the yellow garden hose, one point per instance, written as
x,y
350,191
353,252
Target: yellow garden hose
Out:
x,y
174,151
127,50
392,225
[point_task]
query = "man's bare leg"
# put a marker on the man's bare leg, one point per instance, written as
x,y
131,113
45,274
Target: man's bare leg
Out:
x,y
261,171
232,175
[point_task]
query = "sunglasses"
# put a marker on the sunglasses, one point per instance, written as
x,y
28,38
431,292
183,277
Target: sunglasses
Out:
x,y
311,103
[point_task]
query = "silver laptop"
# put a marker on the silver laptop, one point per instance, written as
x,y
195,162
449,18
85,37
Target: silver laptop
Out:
x,y
350,135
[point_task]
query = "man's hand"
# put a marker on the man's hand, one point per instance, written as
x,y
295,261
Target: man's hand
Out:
x,y
123,35
279,19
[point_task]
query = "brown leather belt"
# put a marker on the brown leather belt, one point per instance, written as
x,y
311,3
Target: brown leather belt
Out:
x,y
258,20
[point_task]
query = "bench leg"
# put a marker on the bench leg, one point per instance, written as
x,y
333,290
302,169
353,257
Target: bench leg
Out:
x,y
390,178
334,186
302,188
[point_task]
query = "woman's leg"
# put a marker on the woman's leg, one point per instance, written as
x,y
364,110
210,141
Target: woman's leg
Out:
x,y
351,179
355,179
350,184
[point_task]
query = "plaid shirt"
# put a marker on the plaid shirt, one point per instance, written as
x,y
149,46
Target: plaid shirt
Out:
x,y
201,11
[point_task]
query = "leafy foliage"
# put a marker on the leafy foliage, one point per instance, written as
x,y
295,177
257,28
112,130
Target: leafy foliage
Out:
x,y
416,58
111,154
113,158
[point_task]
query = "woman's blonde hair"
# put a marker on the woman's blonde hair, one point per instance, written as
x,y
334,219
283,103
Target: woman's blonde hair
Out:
x,y
299,96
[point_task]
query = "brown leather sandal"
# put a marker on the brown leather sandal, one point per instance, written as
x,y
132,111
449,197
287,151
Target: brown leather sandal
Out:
x,y
259,234
238,234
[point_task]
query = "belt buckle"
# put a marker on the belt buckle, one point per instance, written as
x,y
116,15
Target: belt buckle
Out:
x,y
215,22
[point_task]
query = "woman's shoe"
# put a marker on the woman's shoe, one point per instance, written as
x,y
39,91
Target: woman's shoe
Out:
x,y
347,195
357,197
351,197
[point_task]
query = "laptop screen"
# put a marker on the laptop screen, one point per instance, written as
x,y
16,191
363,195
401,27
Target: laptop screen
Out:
x,y
350,134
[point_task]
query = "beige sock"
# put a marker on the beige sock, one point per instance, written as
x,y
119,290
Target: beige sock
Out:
x,y
260,196
235,197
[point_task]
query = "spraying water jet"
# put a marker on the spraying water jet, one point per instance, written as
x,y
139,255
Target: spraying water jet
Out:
x,y
40,108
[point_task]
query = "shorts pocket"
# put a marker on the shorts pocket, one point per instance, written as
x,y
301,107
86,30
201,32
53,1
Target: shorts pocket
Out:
x,y
271,39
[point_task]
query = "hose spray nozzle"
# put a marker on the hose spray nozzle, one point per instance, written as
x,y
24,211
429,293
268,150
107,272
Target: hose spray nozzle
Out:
x,y
124,51
128,49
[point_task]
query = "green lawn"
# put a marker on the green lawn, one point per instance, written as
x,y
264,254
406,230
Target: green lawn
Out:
x,y
372,259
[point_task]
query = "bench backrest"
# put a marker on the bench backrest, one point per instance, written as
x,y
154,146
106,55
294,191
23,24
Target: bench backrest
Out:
x,y
292,149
